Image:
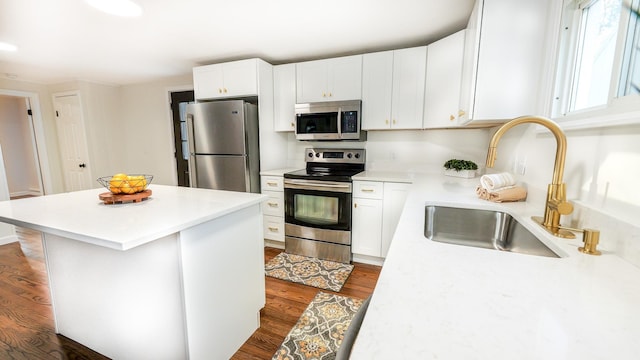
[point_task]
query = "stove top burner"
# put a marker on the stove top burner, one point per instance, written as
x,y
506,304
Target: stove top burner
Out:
x,y
330,165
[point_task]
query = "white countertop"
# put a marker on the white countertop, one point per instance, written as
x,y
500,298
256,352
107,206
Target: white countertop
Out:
x,y
277,172
443,301
388,176
82,216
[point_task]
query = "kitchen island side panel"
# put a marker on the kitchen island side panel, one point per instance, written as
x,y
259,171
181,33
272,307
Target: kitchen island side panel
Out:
x,y
122,304
224,284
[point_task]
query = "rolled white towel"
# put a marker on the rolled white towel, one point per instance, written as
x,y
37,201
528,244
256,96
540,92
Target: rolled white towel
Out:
x,y
497,181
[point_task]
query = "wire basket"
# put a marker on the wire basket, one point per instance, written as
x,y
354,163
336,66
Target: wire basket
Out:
x,y
122,184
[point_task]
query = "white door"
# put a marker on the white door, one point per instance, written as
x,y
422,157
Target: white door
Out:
x,y
72,142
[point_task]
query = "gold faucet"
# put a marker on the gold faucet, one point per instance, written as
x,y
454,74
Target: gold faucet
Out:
x,y
556,203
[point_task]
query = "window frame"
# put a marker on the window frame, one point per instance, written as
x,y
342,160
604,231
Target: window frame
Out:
x,y
618,110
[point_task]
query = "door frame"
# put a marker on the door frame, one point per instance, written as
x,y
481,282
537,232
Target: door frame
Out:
x,y
37,137
168,91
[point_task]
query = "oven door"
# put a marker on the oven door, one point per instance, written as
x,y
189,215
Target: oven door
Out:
x,y
318,204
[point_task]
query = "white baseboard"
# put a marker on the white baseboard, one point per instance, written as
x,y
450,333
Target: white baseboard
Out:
x,y
30,192
8,239
274,244
366,259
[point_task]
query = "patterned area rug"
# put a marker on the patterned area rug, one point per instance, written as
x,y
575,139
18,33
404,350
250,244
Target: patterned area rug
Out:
x,y
323,274
319,332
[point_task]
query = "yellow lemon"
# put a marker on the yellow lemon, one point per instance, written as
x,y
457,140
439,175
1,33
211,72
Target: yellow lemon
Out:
x,y
116,183
126,188
137,182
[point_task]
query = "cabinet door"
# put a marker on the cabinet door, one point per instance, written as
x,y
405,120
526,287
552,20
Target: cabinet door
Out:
x,y
273,228
367,226
284,90
509,65
470,63
240,78
274,205
442,89
311,81
408,88
395,195
377,81
208,82
344,80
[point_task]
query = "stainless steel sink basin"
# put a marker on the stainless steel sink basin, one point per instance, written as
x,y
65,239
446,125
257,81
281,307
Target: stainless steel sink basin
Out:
x,y
481,228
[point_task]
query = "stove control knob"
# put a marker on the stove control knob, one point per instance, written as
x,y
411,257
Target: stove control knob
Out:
x,y
317,155
357,156
310,154
349,155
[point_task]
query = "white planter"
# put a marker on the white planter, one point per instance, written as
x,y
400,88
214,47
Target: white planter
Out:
x,y
467,174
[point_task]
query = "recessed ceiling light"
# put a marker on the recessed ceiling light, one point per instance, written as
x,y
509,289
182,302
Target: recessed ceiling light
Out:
x,y
117,7
7,47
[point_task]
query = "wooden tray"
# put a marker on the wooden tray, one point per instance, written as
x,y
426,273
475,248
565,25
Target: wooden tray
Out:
x,y
110,198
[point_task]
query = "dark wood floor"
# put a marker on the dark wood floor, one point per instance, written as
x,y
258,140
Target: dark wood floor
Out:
x,y
26,319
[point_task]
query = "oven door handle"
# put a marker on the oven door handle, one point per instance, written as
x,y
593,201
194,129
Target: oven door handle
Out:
x,y
332,186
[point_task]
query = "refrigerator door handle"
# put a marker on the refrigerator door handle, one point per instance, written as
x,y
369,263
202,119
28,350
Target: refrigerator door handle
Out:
x,y
192,152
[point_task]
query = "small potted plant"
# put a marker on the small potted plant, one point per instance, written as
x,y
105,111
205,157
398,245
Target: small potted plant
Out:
x,y
460,168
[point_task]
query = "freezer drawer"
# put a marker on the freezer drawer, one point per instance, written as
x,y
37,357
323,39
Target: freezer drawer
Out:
x,y
221,172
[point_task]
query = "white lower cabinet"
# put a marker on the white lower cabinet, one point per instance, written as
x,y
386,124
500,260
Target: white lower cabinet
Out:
x,y
376,210
273,208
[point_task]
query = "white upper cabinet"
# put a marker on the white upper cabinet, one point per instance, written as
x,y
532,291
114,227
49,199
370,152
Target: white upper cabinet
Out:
x,y
284,91
377,84
236,78
329,80
442,89
393,89
504,58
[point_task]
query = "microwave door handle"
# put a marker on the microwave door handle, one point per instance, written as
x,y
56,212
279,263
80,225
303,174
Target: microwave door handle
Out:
x,y
340,122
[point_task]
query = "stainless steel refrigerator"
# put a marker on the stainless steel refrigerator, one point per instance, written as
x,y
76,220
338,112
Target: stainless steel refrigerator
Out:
x,y
224,151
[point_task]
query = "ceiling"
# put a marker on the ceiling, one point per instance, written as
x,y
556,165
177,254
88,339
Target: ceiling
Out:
x,y
62,40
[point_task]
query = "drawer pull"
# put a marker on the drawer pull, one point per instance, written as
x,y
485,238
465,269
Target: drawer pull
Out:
x,y
274,229
272,183
367,190
272,204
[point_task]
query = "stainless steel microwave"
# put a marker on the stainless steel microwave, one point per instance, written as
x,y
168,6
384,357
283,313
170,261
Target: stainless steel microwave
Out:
x,y
335,120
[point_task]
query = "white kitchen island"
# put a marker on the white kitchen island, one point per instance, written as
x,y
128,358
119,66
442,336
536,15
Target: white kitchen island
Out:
x,y
177,276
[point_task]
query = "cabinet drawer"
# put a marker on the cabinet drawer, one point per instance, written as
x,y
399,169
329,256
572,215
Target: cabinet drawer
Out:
x,y
274,205
271,183
368,189
273,227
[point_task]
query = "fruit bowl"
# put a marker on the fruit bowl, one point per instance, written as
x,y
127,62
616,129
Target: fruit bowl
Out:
x,y
122,184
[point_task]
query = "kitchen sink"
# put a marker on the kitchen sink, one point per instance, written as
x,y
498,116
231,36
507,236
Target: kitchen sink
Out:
x,y
481,228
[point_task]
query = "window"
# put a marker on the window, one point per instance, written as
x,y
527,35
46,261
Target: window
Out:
x,y
599,62
630,74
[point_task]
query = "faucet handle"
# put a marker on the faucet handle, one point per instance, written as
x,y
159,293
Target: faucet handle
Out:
x,y
561,206
564,207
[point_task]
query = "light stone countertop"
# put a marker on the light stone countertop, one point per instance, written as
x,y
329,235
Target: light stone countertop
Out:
x,y
388,176
82,216
443,301
277,172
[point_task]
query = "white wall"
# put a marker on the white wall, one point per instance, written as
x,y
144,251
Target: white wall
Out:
x,y
146,129
7,232
49,128
423,151
16,139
